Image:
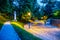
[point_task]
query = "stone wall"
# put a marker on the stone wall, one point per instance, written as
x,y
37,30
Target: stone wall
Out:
x,y
55,22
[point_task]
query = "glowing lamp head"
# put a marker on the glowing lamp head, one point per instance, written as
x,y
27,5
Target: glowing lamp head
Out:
x,y
29,14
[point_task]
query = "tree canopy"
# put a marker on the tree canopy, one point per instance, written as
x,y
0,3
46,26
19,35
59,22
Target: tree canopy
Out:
x,y
22,7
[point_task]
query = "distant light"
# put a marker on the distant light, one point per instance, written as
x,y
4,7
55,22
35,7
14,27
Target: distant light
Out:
x,y
29,14
45,17
7,22
41,17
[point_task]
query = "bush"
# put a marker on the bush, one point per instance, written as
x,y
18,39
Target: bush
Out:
x,y
2,20
56,14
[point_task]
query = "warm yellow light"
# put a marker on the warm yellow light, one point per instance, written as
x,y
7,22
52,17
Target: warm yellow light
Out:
x,y
45,17
41,17
29,14
16,23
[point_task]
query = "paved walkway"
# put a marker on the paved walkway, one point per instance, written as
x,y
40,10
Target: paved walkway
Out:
x,y
44,32
8,33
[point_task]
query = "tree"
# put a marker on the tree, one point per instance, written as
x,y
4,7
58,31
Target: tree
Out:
x,y
6,7
25,6
26,15
56,14
16,6
49,8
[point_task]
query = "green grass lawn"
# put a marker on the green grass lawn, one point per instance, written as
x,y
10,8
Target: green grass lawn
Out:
x,y
24,35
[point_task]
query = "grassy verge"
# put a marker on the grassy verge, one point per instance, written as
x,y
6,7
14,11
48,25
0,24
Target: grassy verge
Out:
x,y
24,35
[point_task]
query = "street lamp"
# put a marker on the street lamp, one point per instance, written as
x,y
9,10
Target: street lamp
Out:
x,y
29,14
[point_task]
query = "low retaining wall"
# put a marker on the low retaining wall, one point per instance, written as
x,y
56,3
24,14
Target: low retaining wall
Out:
x,y
55,22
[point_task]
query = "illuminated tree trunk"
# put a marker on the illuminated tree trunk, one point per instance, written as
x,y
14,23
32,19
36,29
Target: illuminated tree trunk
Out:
x,y
15,16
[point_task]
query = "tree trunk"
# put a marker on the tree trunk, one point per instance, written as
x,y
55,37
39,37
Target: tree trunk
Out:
x,y
15,16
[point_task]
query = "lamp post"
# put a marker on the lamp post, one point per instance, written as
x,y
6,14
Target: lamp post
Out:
x,y
29,14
